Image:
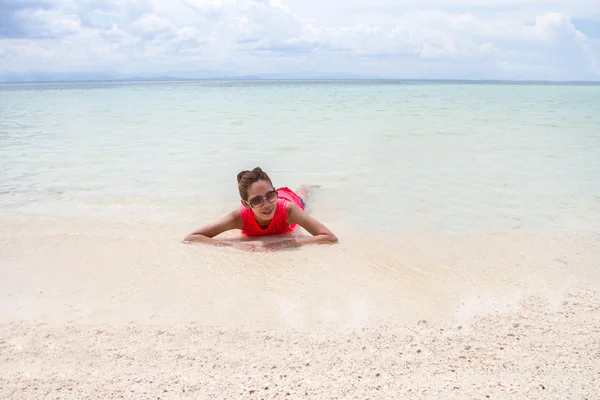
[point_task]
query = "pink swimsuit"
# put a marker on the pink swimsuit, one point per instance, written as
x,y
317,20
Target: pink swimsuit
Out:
x,y
278,223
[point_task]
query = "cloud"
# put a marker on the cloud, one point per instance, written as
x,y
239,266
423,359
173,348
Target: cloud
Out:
x,y
508,39
16,19
101,14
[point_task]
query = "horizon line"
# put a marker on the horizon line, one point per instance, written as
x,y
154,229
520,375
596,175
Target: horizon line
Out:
x,y
134,79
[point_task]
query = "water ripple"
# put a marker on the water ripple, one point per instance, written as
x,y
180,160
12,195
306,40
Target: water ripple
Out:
x,y
385,154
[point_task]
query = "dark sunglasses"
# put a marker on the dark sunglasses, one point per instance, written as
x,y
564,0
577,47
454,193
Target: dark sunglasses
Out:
x,y
258,201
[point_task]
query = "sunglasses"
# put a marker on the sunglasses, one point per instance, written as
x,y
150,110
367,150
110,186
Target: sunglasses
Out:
x,y
258,201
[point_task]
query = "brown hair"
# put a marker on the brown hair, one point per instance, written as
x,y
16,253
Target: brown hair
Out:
x,y
247,178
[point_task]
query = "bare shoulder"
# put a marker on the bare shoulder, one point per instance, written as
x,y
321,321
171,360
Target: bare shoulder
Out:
x,y
232,218
235,214
289,205
292,209
236,218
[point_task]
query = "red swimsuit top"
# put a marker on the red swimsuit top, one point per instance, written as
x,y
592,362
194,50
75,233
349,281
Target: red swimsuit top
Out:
x,y
278,223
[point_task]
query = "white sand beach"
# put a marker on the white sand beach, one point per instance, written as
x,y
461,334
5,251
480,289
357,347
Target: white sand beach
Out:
x,y
468,265
127,311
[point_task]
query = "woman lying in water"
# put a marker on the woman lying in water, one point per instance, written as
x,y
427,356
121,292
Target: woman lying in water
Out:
x,y
265,211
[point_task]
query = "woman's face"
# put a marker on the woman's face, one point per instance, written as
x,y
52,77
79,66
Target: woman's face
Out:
x,y
262,199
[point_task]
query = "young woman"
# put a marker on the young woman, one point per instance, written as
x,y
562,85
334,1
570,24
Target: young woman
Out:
x,y
265,211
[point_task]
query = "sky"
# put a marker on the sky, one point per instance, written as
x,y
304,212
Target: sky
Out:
x,y
429,39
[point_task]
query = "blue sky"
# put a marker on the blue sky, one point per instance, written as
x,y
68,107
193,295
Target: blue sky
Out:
x,y
482,39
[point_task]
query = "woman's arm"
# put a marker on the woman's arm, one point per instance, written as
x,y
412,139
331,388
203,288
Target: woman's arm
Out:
x,y
205,234
320,233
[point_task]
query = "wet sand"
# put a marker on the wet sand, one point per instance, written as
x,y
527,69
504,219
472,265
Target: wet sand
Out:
x,y
92,309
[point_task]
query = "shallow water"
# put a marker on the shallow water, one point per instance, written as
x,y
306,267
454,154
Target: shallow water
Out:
x,y
388,156
448,199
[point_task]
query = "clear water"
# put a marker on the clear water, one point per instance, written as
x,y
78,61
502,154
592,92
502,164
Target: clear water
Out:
x,y
388,156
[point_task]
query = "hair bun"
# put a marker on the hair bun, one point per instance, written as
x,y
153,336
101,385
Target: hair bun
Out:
x,y
241,175
247,178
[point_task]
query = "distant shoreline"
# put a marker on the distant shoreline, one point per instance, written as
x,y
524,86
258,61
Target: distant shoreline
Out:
x,y
272,79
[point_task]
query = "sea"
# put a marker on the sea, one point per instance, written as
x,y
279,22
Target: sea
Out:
x,y
97,178
384,155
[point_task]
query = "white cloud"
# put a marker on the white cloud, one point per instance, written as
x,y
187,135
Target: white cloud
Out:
x,y
507,39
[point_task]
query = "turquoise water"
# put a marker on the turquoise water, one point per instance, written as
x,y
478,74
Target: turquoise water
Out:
x,y
389,156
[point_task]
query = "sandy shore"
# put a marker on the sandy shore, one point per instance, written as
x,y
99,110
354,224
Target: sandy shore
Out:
x,y
538,352
116,312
